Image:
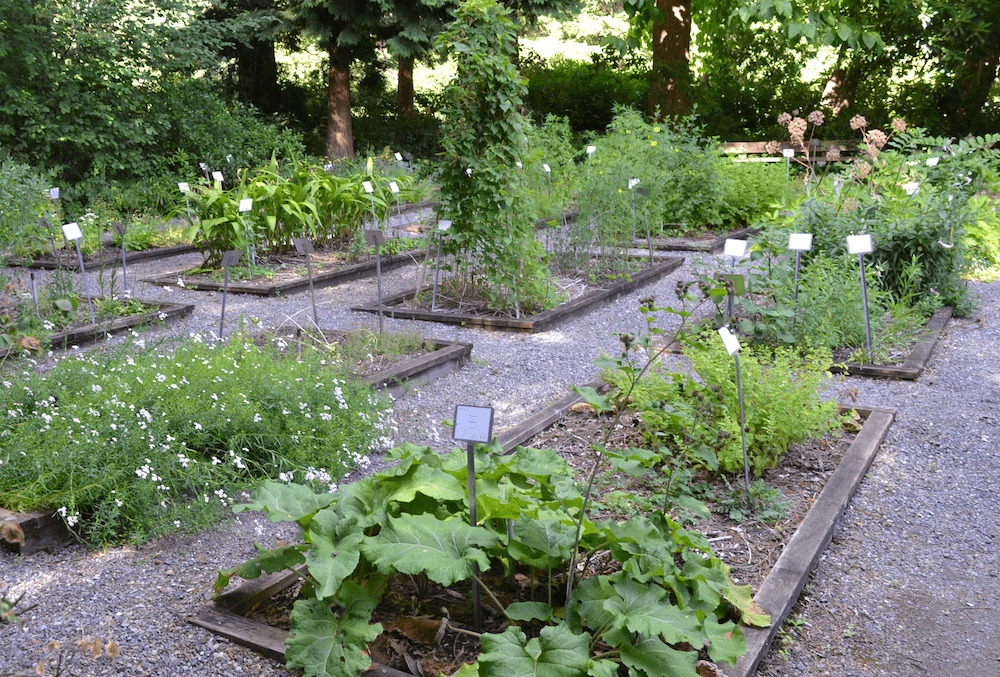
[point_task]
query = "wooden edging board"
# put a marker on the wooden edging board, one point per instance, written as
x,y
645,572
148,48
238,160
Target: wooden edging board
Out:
x,y
682,244
544,320
161,311
42,530
108,259
914,363
328,278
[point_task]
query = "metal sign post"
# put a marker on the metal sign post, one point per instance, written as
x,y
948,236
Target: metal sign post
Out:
x,y
473,424
788,154
375,238
185,188
72,232
34,290
370,189
799,242
732,345
305,247
734,249
119,228
443,226
394,187
861,245
229,259
246,204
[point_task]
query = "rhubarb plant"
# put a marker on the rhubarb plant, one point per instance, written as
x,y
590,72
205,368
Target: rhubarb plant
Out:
x,y
665,602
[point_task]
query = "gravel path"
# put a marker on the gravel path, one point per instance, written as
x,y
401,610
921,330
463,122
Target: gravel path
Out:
x,y
880,603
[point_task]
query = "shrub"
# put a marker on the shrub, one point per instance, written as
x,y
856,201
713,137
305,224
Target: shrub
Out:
x,y
23,203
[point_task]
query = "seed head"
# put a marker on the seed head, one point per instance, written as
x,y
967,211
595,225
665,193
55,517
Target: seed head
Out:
x,y
797,130
862,169
899,125
816,117
833,155
784,119
876,138
858,122
772,147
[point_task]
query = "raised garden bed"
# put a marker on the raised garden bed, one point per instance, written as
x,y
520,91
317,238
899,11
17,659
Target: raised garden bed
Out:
x,y
158,311
107,257
542,321
707,242
778,593
293,280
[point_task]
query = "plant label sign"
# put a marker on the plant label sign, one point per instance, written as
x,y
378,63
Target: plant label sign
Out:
x,y
473,424
859,244
231,258
548,170
303,245
788,153
394,187
374,238
729,341
591,149
72,231
399,157
800,242
368,187
632,183
54,193
217,176
519,165
735,248
444,225
246,204
119,228
183,187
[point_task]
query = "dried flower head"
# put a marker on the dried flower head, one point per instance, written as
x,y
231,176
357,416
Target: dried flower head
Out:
x,y
876,138
833,155
858,122
772,147
862,169
784,119
816,117
797,130
899,125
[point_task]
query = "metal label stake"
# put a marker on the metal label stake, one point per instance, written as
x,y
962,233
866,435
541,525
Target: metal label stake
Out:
x,y
734,249
375,238
72,232
473,424
34,291
229,259
861,245
443,227
732,345
371,197
119,228
394,187
305,247
799,242
185,188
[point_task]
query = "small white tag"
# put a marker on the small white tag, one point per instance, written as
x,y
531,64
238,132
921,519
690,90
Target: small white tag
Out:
x,y
399,157
183,187
859,244
368,186
393,186
444,225
72,231
788,152
547,169
54,193
932,161
632,183
591,149
519,165
468,172
731,343
328,167
737,248
218,176
246,204
911,188
800,242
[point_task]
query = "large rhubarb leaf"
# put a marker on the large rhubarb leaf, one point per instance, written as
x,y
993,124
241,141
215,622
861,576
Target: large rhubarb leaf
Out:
x,y
266,561
444,550
323,645
726,641
330,564
285,502
647,611
556,652
542,543
653,658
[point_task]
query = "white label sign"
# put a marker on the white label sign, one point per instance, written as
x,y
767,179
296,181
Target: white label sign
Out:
x,y
468,172
911,188
591,149
399,157
735,248
368,187
72,231
632,183
54,193
519,165
548,170
788,152
394,187
932,161
859,244
183,187
731,343
246,204
473,424
444,225
801,242
217,176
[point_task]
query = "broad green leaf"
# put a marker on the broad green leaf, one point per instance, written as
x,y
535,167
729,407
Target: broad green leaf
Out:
x,y
542,543
655,659
285,502
556,652
330,564
601,403
602,668
322,644
266,561
587,607
530,611
726,641
429,482
467,670
741,597
648,611
444,550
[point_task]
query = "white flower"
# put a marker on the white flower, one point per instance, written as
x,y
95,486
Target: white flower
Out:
x,y
95,388
197,426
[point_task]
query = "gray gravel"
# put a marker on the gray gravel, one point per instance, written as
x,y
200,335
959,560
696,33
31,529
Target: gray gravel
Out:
x,y
908,586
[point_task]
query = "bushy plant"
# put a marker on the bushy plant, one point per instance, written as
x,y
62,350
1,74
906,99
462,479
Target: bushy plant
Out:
x,y
549,192
751,188
23,204
147,440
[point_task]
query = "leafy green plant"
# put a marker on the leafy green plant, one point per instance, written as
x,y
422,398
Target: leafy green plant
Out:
x,y
767,503
148,440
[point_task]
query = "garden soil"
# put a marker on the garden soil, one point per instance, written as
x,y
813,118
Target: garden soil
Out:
x,y
908,586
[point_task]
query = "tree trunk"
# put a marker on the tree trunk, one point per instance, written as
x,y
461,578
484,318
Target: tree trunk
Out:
x,y
962,103
339,135
404,86
841,89
670,87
